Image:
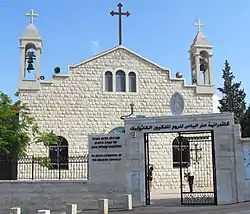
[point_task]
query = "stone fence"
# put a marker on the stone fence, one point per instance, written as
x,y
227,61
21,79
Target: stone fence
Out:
x,y
56,195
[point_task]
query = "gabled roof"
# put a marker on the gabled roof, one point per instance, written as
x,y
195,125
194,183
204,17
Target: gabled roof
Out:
x,y
114,49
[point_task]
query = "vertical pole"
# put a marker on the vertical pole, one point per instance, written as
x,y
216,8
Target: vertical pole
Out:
x,y
146,173
180,148
32,168
59,165
214,168
146,152
88,166
149,199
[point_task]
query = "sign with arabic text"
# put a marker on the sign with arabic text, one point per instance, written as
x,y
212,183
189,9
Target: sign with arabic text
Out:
x,y
181,126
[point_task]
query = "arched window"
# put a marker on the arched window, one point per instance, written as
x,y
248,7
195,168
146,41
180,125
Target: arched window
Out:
x,y
120,81
58,154
132,82
116,130
108,81
177,154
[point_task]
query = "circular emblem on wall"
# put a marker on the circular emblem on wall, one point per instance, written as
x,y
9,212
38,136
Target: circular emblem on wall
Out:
x,y
177,104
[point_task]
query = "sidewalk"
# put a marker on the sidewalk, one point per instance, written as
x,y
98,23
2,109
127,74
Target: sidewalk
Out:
x,y
243,208
163,203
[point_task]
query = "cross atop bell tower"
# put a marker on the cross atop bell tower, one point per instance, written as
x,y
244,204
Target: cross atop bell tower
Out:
x,y
198,24
120,14
31,50
32,14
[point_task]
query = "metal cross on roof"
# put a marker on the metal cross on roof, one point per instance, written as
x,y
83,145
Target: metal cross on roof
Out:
x,y
120,14
32,15
198,24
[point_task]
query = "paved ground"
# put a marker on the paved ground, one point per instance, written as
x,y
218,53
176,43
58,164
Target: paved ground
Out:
x,y
243,208
163,203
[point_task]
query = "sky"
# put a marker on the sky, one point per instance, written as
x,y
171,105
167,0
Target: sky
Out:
x,y
160,30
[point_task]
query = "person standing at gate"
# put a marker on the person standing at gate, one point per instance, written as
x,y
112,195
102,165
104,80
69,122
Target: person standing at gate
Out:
x,y
190,176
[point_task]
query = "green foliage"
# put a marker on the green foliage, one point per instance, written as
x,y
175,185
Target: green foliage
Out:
x,y
245,123
233,99
17,127
44,161
47,138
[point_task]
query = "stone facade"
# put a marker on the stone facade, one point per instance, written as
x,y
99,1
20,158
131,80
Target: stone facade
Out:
x,y
76,105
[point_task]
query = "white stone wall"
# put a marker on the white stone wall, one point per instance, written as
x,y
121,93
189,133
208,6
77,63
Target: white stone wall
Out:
x,y
245,142
76,106
56,195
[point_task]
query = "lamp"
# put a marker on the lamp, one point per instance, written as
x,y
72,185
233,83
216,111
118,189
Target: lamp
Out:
x,y
131,112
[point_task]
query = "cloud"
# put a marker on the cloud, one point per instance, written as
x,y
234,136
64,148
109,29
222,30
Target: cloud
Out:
x,y
95,47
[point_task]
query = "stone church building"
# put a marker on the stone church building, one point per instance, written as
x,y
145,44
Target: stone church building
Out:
x,y
95,93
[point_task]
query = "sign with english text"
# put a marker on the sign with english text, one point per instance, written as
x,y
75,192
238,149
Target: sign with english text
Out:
x,y
106,148
107,157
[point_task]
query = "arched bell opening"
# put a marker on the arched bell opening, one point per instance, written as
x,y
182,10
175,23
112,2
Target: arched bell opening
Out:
x,y
30,62
204,67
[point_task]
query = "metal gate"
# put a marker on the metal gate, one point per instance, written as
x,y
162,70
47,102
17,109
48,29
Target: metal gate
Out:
x,y
196,155
197,168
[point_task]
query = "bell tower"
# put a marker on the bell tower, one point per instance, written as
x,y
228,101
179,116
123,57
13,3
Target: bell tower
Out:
x,y
201,62
30,53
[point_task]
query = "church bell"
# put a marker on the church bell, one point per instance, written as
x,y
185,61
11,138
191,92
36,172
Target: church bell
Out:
x,y
203,65
30,67
30,61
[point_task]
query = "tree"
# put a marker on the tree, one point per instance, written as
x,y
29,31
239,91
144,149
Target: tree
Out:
x,y
245,123
18,128
233,99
